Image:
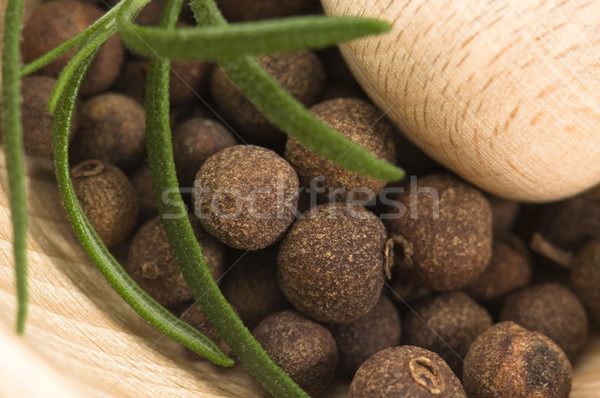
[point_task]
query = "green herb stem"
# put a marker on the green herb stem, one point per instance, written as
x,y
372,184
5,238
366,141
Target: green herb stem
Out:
x,y
141,302
247,38
291,116
13,148
184,244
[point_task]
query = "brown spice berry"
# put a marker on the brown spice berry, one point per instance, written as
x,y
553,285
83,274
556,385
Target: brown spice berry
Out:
x,y
504,214
550,309
585,277
570,223
252,10
107,198
195,141
302,348
331,263
252,287
357,341
246,196
358,121
443,232
132,80
508,270
195,317
508,360
37,122
112,129
188,80
300,73
447,325
151,264
405,371
55,22
142,184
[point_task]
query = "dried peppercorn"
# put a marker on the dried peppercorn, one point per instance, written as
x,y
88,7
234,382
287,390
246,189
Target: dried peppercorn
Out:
x,y
551,309
508,360
302,348
246,196
405,371
332,261
442,232
107,198
55,22
151,264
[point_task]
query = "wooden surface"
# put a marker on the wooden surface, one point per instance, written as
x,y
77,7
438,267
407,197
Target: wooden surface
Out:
x,y
504,92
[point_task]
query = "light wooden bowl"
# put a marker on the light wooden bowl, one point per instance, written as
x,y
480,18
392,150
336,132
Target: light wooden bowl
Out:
x,y
82,340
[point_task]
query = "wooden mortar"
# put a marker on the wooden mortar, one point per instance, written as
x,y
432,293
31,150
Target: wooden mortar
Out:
x,y
505,93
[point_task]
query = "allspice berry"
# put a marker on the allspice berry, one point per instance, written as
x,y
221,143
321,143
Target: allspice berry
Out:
x,y
585,277
570,223
246,196
504,214
112,129
332,261
107,199
508,360
142,184
194,141
405,371
300,73
253,10
551,309
302,348
508,270
195,317
55,22
447,325
188,80
37,121
252,287
151,264
357,341
442,231
360,122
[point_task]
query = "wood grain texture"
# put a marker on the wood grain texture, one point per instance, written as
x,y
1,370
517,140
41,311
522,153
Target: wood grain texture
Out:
x,y
504,92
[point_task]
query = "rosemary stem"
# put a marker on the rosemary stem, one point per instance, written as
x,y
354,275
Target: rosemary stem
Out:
x,y
13,147
186,249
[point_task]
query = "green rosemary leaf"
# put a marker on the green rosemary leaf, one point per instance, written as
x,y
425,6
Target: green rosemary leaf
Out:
x,y
186,249
107,21
291,116
213,42
141,302
13,149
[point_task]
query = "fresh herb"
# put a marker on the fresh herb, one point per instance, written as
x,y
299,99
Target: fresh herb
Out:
x,y
13,149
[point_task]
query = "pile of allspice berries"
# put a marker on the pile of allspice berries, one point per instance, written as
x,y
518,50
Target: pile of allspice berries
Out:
x,y
424,288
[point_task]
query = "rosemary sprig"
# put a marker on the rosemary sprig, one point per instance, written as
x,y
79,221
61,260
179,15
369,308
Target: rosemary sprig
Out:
x,y
288,114
141,302
247,38
13,149
186,249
